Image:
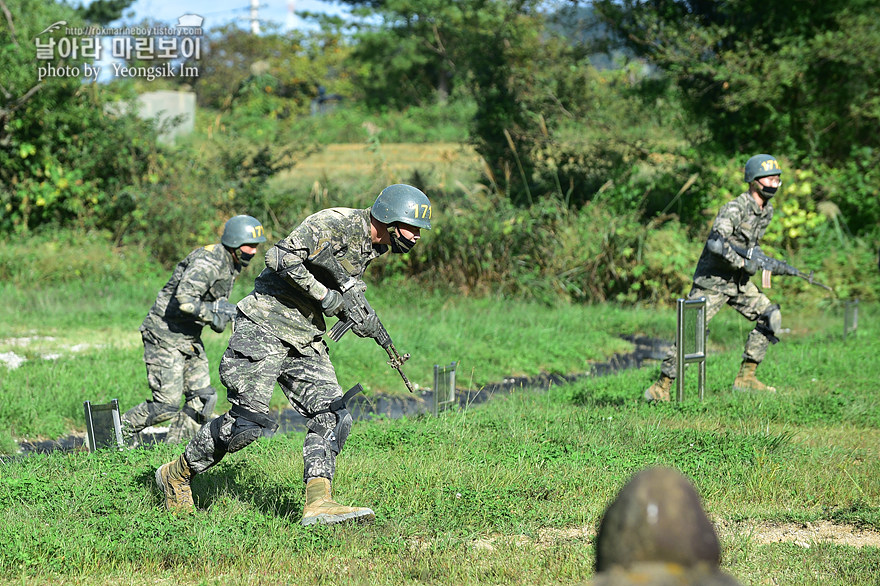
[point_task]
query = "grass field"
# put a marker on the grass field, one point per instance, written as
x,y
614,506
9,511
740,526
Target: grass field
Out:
x,y
361,159
509,492
369,167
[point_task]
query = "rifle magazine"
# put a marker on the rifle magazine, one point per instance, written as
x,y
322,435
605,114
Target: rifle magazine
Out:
x,y
339,329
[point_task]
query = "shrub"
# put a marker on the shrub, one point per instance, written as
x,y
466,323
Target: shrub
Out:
x,y
483,245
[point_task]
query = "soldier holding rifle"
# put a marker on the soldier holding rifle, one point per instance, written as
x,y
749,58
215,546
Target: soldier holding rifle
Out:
x,y
278,337
195,296
723,275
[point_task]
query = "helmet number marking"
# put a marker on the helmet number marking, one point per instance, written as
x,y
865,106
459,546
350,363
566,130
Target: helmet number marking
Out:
x,y
425,211
257,231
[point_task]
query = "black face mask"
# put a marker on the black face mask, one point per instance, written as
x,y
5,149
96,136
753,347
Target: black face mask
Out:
x,y
768,192
399,244
244,258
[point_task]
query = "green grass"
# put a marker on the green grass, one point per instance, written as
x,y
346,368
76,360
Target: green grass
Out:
x,y
510,491
447,122
90,329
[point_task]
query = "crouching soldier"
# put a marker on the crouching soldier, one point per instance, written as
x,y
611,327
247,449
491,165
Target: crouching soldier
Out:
x,y
278,337
723,276
195,296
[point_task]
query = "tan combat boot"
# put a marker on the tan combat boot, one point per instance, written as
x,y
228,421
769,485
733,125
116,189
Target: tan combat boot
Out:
x,y
320,508
173,479
747,381
659,391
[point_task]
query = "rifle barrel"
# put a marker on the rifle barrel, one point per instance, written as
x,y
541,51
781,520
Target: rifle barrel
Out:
x,y
809,279
396,362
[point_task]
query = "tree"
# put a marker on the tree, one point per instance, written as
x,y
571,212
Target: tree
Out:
x,y
799,77
103,11
289,67
410,50
62,155
420,52
506,54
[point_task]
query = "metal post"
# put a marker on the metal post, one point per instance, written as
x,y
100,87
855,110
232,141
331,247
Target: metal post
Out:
x,y
444,387
435,404
255,17
850,317
103,425
697,307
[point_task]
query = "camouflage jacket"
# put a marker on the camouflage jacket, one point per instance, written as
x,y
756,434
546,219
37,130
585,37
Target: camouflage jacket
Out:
x,y
286,296
182,307
742,223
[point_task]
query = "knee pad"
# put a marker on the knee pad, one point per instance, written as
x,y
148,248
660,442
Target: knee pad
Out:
x,y
715,243
340,432
208,395
247,427
244,432
770,323
335,436
328,432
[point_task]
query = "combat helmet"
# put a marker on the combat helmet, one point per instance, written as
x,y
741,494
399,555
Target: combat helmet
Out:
x,y
656,517
242,230
761,166
403,203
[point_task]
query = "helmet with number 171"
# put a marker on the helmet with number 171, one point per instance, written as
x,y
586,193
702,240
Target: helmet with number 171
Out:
x,y
241,230
761,166
404,204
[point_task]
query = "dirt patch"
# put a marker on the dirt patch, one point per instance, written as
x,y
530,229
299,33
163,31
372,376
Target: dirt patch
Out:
x,y
802,534
15,351
549,536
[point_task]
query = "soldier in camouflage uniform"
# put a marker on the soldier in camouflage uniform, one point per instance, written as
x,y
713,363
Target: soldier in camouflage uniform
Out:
x,y
724,277
656,533
195,296
279,338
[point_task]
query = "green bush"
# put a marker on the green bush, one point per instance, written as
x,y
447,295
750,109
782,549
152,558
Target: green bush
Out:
x,y
63,155
65,256
483,244
352,123
854,187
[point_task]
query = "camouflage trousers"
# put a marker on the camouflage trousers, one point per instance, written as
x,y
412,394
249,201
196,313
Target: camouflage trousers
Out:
x,y
751,303
172,373
254,361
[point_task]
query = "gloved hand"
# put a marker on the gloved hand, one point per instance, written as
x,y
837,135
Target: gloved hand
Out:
x,y
371,327
751,265
219,321
332,303
221,313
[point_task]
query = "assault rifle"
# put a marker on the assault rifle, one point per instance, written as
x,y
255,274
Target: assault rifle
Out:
x,y
357,309
774,266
